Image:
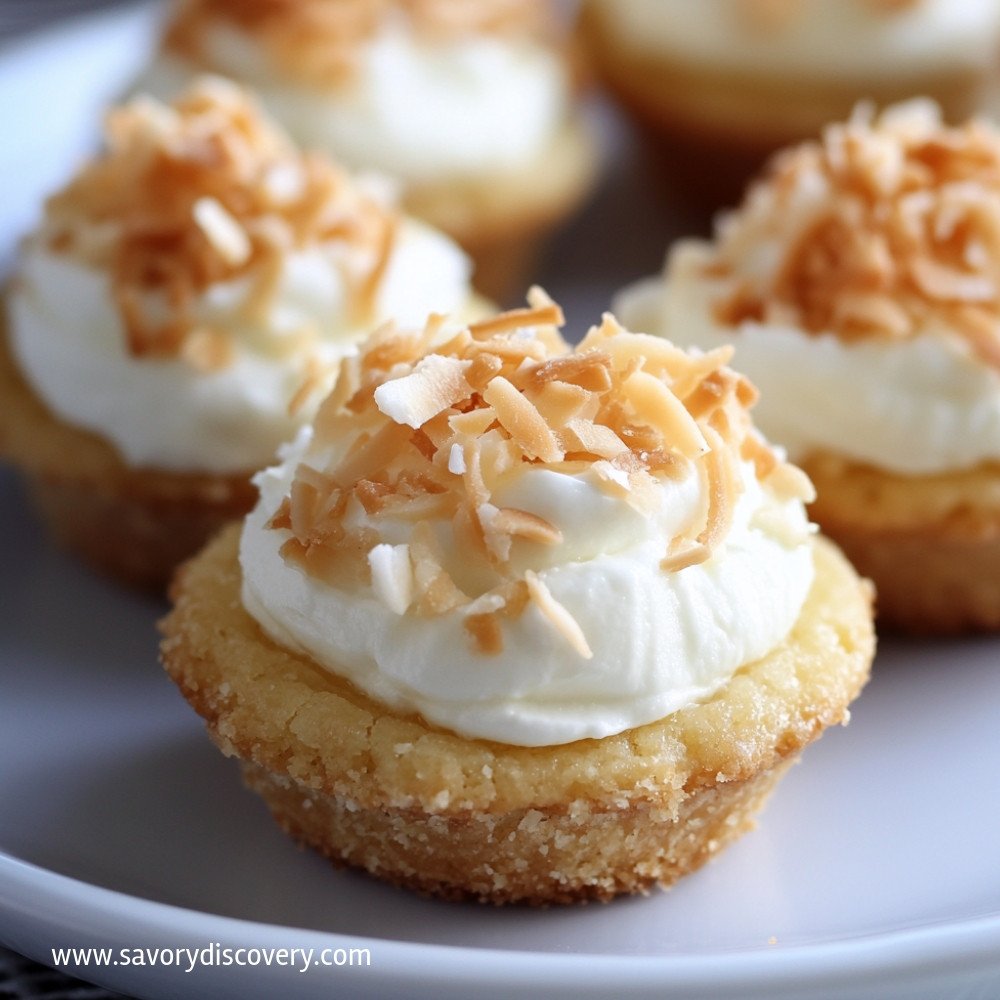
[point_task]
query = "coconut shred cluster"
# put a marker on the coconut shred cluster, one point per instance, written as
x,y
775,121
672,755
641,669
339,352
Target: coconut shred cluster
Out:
x,y
320,43
210,277
526,542
886,228
419,89
202,192
860,284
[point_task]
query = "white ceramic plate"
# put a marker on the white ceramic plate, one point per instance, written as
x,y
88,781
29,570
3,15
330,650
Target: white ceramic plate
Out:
x,y
875,871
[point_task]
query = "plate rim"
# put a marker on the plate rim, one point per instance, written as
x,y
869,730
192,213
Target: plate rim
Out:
x,y
924,948
55,900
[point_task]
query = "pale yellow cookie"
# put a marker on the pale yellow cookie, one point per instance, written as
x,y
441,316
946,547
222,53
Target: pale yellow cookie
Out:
x,y
931,544
463,818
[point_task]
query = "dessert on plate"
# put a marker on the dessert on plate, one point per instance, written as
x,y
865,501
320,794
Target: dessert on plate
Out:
x,y
181,310
860,284
723,82
468,105
518,622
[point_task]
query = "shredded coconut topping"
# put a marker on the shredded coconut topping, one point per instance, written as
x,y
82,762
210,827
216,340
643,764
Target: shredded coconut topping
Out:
x,y
886,227
319,41
424,427
207,190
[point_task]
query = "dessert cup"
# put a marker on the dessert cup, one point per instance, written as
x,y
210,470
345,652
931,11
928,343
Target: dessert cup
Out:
x,y
522,703
719,85
180,312
468,107
856,282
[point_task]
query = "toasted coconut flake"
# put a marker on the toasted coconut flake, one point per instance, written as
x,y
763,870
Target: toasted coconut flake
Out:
x,y
949,284
755,450
559,402
475,485
498,541
456,460
434,385
589,370
686,381
593,439
225,234
474,423
207,350
518,319
613,477
683,555
982,332
484,367
524,524
312,381
789,482
281,519
392,576
887,228
376,453
487,636
562,621
724,485
436,593
656,405
183,198
522,421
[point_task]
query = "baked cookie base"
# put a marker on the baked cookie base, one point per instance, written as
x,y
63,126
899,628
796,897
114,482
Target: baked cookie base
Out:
x,y
931,544
503,220
136,525
532,856
471,819
708,132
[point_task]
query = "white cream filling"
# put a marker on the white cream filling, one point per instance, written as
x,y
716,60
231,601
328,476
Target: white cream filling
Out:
x,y
660,641
68,339
822,38
915,407
417,111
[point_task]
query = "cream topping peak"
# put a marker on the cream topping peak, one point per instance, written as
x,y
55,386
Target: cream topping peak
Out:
x,y
434,427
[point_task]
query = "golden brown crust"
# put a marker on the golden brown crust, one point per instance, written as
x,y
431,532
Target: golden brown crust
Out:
x,y
930,543
306,735
135,524
751,114
533,856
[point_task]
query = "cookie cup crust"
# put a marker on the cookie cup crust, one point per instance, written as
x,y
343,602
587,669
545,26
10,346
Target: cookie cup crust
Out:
x,y
930,543
755,112
464,818
707,132
503,219
136,525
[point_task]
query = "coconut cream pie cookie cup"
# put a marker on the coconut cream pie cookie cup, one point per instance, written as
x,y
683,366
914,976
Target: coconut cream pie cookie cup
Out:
x,y
181,311
721,83
468,105
859,284
521,623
